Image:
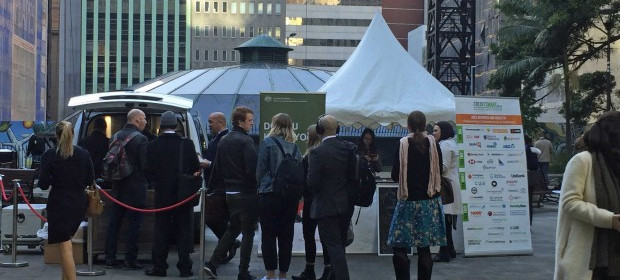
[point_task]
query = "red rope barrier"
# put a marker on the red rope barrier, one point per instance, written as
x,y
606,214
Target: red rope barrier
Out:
x,y
3,193
21,192
148,210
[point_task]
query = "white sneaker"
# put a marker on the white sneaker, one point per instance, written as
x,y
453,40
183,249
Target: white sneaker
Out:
x,y
265,278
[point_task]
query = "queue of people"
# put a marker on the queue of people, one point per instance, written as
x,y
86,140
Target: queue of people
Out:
x,y
242,178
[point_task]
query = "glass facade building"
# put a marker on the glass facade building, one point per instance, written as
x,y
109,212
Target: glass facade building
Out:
x,y
125,42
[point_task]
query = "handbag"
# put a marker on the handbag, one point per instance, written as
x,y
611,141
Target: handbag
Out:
x,y
447,194
95,204
187,184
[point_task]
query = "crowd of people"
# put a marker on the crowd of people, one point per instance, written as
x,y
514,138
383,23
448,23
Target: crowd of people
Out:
x,y
241,191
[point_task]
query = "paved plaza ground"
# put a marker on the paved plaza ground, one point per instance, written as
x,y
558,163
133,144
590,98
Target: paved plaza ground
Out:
x,y
536,266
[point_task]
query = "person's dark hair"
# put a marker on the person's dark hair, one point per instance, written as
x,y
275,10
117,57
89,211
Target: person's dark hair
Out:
x,y
416,122
362,147
446,130
239,114
604,137
99,124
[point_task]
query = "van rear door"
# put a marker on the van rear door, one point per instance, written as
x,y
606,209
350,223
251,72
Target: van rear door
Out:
x,y
128,100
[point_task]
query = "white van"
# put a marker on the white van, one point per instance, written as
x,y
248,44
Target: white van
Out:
x,y
114,106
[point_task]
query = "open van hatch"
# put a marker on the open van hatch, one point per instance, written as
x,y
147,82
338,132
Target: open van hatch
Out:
x,y
127,100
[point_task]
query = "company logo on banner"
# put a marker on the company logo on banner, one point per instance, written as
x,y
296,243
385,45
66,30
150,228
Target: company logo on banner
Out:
x,y
493,176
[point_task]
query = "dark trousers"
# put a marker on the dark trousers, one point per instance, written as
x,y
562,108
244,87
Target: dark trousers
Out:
x,y
401,262
333,231
445,251
277,217
309,226
134,220
544,168
216,213
242,211
173,223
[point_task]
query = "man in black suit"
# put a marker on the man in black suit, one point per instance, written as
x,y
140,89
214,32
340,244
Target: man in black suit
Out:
x,y
235,171
97,145
216,215
162,169
130,190
331,175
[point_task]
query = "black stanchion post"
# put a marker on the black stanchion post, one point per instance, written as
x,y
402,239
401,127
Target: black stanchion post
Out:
x,y
14,263
89,248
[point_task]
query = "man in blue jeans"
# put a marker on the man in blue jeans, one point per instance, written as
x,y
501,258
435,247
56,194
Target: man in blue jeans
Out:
x,y
235,171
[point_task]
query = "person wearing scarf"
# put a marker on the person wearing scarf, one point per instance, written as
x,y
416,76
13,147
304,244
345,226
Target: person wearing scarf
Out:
x,y
418,220
588,231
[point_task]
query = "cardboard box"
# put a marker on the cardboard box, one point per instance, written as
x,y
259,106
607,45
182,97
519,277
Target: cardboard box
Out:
x,y
51,253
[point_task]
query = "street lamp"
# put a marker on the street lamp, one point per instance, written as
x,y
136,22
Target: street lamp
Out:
x,y
472,78
289,36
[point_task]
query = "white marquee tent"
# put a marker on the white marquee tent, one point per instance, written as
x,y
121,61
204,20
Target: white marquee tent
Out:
x,y
380,84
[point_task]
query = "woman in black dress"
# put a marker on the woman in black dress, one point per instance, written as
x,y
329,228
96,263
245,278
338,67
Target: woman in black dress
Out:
x,y
68,170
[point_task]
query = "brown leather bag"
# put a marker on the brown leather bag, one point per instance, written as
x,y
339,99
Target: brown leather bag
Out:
x,y
447,194
95,205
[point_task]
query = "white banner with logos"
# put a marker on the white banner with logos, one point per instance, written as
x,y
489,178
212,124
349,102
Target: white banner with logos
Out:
x,y
493,176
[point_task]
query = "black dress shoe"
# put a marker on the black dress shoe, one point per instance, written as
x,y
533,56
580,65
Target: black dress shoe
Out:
x,y
151,271
110,264
440,258
186,274
132,266
307,274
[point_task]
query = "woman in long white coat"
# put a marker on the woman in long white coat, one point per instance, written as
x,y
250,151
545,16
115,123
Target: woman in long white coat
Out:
x,y
588,232
444,132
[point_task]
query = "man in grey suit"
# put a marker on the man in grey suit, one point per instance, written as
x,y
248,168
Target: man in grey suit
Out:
x,y
331,176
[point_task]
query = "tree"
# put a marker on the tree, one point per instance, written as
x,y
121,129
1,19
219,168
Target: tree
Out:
x,y
590,98
552,36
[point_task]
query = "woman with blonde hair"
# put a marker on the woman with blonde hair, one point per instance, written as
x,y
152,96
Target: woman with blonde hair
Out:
x,y
68,170
277,213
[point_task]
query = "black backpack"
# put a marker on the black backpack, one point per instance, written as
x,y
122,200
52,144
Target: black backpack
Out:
x,y
116,165
289,180
531,159
365,192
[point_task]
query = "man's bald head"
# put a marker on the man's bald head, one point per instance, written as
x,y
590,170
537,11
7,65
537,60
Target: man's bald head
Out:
x,y
330,124
217,122
137,118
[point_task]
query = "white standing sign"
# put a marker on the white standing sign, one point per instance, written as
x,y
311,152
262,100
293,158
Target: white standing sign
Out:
x,y
493,176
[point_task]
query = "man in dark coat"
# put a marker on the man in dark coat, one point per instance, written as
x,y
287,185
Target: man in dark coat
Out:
x,y
216,216
130,190
235,171
331,175
97,145
162,169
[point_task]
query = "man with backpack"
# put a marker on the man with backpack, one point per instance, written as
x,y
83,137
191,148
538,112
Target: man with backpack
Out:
x,y
130,145
332,179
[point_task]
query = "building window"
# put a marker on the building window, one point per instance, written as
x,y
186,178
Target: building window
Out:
x,y
224,56
214,31
197,55
278,9
215,56
224,7
206,31
233,32
251,8
198,6
233,55
270,31
278,33
268,8
251,32
206,55
197,31
224,31
242,31
215,7
259,10
242,8
206,7
233,7
261,30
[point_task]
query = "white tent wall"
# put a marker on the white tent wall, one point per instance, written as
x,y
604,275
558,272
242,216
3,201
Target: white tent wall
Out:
x,y
380,84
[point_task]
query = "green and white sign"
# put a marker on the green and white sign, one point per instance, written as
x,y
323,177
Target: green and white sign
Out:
x,y
304,109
